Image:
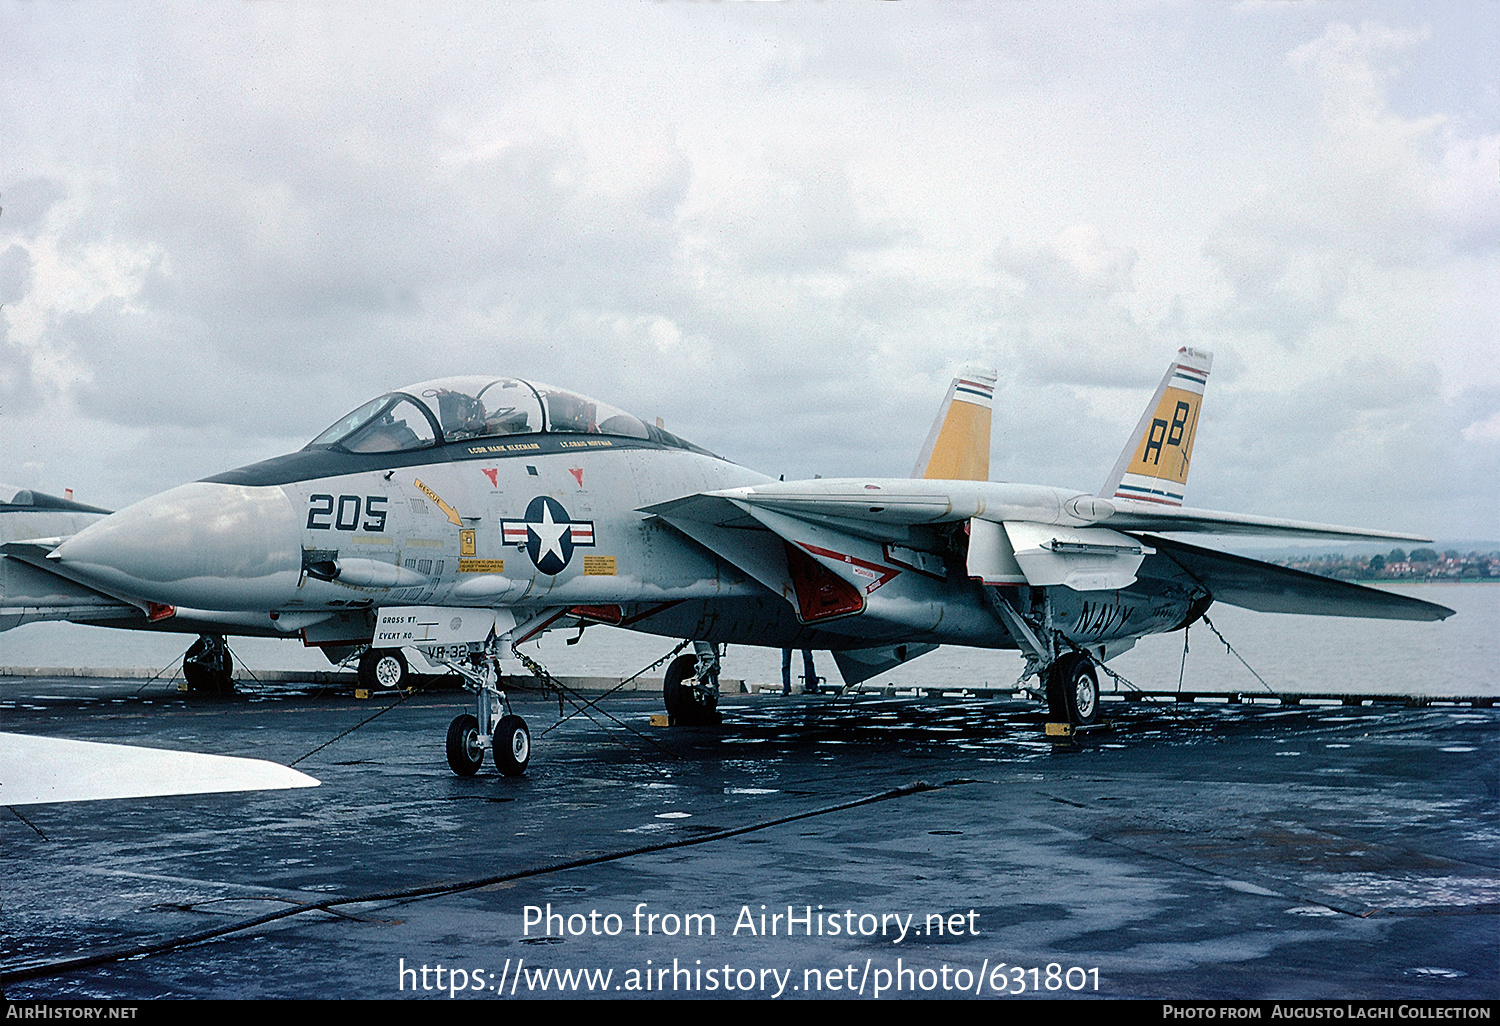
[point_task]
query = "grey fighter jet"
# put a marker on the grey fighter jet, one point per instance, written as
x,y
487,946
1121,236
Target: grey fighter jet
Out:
x,y
457,516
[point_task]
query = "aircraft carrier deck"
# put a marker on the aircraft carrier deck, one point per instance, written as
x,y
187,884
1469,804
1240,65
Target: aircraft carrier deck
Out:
x,y
814,846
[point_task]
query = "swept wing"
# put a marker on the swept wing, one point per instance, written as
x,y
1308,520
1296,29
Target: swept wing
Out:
x,y
898,510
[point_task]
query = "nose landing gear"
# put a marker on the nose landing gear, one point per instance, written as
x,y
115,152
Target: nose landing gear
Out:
x,y
465,750
511,744
491,726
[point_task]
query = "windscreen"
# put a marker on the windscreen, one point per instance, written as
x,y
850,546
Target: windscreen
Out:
x,y
391,423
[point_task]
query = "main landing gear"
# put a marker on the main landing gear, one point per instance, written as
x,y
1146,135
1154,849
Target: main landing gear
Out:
x,y
691,686
208,667
1069,677
382,668
491,726
1073,690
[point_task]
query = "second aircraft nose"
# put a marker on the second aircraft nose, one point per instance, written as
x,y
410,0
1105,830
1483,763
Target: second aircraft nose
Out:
x,y
203,545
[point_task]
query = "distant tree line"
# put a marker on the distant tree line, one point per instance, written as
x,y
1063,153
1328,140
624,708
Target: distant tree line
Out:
x,y
1419,564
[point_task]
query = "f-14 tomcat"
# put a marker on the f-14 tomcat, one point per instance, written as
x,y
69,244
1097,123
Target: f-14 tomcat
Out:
x,y
460,515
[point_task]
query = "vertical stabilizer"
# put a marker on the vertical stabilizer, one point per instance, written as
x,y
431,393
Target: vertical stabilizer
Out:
x,y
1154,466
958,446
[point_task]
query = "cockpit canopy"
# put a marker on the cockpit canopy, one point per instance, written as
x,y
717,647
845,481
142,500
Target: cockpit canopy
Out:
x,y
461,408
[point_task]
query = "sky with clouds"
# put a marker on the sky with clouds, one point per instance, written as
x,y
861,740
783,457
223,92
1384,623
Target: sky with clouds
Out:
x,y
779,227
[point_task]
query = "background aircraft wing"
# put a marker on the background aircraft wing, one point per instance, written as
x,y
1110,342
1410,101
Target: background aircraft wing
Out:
x,y
36,770
1240,581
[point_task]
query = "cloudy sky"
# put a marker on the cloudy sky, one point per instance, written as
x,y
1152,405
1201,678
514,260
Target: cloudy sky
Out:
x,y
780,227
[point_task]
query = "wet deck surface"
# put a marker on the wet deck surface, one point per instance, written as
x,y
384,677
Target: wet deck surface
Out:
x,y
1191,851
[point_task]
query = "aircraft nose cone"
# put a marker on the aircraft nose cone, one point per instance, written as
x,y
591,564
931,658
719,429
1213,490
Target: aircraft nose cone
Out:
x,y
203,545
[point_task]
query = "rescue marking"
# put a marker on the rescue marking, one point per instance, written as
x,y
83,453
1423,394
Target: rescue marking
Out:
x,y
449,510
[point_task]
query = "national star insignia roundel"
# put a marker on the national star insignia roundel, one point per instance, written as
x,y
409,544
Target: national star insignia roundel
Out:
x,y
548,534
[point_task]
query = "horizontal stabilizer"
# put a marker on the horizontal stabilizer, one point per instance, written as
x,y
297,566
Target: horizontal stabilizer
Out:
x,y
1268,588
37,770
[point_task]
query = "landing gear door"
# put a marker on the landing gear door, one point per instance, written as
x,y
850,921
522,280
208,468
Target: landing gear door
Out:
x,y
991,558
438,631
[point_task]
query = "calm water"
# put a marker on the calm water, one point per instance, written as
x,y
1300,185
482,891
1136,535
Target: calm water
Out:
x,y
1458,656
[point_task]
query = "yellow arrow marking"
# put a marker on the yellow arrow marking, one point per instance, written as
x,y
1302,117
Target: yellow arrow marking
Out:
x,y
452,513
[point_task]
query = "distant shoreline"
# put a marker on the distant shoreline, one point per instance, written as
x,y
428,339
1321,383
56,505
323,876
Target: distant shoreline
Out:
x,y
1414,580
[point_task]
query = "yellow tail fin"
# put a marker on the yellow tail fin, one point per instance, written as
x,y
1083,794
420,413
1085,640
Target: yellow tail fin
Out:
x,y
1154,466
958,446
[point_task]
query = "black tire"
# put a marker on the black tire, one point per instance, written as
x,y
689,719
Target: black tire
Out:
x,y
688,703
208,667
465,756
1057,705
512,746
1073,690
382,668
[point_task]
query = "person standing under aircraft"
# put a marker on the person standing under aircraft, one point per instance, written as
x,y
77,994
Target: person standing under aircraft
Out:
x,y
810,675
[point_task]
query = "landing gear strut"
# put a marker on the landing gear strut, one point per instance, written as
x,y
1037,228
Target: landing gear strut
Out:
x,y
691,686
208,667
492,725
